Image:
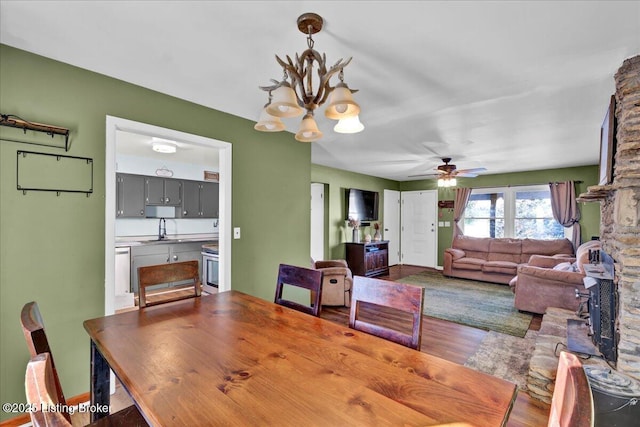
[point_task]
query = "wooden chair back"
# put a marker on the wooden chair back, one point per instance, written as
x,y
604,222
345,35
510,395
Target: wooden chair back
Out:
x,y
572,401
152,275
42,392
303,278
37,342
399,296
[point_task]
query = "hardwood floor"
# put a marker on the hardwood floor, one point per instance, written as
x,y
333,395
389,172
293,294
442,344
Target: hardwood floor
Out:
x,y
456,343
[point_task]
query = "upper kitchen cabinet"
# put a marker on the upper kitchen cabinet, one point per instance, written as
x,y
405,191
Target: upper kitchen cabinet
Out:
x,y
129,196
200,199
163,191
210,199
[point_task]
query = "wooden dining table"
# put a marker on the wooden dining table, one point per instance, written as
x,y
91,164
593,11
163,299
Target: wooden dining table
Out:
x,y
235,359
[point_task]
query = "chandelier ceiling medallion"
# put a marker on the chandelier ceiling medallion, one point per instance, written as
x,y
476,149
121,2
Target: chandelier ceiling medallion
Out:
x,y
295,94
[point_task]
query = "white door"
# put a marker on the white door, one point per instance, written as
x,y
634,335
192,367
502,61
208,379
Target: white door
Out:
x,y
317,221
419,235
391,224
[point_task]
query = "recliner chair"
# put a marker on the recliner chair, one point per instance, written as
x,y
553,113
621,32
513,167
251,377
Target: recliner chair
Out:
x,y
337,282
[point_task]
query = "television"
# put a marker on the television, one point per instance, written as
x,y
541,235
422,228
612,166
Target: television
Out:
x,y
608,143
361,204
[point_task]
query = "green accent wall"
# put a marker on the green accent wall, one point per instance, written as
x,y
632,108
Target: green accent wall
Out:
x,y
336,181
52,247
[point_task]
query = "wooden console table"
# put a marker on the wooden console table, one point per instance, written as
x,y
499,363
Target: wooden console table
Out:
x,y
368,259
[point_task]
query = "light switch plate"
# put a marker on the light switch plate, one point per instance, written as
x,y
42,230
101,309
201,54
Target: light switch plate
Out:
x,y
447,224
236,232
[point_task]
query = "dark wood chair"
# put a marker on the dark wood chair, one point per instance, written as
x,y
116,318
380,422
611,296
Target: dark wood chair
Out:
x,y
185,273
303,278
398,296
42,383
572,401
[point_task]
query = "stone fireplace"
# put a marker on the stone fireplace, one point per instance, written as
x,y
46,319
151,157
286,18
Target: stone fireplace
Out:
x,y
620,236
620,215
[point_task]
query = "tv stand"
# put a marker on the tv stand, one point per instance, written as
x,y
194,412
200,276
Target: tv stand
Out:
x,y
368,259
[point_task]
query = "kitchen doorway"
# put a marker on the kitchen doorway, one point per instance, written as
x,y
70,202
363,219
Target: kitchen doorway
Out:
x,y
115,125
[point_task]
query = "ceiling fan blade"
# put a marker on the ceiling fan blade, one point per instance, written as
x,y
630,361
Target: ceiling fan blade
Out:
x,y
466,175
474,170
426,175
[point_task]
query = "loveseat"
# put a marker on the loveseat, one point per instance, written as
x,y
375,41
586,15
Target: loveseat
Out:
x,y
551,281
497,259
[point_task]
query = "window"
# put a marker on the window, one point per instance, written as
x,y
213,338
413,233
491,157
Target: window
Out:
x,y
520,212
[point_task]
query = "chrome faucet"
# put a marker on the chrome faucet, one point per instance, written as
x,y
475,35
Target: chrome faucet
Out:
x,y
162,229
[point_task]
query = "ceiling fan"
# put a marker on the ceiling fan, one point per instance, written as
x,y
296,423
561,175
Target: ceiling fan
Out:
x,y
447,171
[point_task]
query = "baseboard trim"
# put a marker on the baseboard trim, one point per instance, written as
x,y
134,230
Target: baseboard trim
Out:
x,y
25,419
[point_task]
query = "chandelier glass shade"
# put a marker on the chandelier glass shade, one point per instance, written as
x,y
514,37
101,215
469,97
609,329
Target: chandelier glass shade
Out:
x,y
349,125
306,85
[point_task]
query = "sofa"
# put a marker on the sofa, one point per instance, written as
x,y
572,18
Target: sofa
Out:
x,y
337,281
551,281
497,259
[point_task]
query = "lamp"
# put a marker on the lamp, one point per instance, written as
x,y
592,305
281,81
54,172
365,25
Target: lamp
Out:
x,y
295,93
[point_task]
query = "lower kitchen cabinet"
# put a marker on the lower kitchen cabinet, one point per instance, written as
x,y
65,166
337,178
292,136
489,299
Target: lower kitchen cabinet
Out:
x,y
163,253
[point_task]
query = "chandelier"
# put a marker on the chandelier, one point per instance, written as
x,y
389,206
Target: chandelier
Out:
x,y
295,94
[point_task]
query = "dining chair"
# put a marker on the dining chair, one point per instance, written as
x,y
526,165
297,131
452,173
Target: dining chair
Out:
x,y
302,278
185,273
42,383
572,401
398,296
37,342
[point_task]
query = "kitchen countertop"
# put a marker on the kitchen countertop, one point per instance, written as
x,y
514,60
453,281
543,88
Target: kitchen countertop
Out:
x,y
153,240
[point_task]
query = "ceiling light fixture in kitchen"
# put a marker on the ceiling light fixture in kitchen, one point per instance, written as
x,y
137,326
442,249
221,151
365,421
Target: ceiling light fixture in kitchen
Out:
x,y
163,146
295,93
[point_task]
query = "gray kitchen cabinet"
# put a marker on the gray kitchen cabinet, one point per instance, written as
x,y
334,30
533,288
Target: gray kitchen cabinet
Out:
x,y
200,199
190,199
163,191
129,195
210,199
162,253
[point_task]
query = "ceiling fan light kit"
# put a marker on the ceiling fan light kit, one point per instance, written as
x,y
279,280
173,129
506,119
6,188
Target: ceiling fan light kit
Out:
x,y
295,94
447,182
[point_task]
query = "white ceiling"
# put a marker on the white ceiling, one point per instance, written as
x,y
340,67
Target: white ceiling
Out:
x,y
507,85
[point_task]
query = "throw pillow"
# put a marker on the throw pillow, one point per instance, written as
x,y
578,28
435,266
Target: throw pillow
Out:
x,y
564,266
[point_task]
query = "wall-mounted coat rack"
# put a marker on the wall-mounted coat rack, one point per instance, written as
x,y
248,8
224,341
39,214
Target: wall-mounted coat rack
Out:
x,y
13,121
53,172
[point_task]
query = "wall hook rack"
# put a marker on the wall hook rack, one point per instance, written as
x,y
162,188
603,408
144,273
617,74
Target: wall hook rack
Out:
x,y
14,121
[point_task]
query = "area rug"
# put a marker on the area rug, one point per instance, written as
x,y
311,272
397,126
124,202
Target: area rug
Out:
x,y
505,356
481,305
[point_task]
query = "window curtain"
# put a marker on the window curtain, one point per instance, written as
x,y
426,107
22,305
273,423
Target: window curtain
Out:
x,y
462,198
565,209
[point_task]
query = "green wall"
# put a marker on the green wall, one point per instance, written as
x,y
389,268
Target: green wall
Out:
x,y
336,181
52,247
